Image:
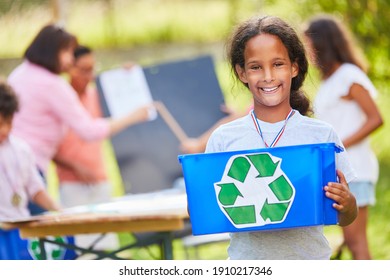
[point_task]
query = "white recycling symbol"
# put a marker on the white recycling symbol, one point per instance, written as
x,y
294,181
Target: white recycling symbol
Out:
x,y
254,190
53,251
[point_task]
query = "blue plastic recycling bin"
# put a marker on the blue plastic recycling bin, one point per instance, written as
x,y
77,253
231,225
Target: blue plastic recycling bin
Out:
x,y
262,189
12,247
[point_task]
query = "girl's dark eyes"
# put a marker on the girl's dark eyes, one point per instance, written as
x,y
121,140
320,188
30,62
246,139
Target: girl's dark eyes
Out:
x,y
279,64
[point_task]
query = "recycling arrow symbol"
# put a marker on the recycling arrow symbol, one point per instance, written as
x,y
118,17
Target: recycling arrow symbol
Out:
x,y
53,251
254,190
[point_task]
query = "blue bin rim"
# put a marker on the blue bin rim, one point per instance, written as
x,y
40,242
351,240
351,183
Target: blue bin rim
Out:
x,y
325,145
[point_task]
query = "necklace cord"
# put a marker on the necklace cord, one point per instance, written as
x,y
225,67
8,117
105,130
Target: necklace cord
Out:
x,y
280,133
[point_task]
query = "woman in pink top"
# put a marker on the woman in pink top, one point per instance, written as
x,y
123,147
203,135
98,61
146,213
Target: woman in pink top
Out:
x,y
49,105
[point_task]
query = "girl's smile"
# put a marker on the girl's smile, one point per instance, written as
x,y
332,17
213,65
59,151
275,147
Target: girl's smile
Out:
x,y
270,89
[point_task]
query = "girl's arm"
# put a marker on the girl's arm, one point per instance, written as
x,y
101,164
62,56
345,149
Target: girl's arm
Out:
x,y
345,201
373,117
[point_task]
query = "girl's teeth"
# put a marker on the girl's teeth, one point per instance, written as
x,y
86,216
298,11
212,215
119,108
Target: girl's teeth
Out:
x,y
270,89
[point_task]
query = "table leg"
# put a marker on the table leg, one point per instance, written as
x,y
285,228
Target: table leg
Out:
x,y
167,246
42,248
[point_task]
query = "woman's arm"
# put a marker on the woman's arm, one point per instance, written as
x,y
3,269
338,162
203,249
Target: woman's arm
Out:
x,y
67,107
140,115
43,199
83,173
373,117
198,145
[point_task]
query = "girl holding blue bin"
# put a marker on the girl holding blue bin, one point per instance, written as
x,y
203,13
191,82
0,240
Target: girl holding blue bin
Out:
x,y
267,56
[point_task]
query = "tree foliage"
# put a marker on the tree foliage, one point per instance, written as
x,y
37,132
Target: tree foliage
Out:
x,y
19,5
369,22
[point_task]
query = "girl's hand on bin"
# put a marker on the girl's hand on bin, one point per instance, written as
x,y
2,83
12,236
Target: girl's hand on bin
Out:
x,y
345,201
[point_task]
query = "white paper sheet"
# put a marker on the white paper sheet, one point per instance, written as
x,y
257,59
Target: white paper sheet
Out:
x,y
165,202
125,90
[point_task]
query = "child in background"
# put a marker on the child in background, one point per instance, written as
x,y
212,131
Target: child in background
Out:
x,y
19,177
267,56
345,99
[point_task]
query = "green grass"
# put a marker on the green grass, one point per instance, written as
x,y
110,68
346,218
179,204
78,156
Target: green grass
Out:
x,y
379,221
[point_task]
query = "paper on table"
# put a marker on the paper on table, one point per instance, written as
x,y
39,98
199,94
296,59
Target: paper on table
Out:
x,y
22,220
125,90
155,203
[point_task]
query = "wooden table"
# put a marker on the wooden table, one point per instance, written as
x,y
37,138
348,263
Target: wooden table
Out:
x,y
161,212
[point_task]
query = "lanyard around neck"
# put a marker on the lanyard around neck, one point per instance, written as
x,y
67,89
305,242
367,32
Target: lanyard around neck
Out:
x,y
280,133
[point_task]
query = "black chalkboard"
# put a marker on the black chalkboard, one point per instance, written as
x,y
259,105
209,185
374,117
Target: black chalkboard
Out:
x,y
147,153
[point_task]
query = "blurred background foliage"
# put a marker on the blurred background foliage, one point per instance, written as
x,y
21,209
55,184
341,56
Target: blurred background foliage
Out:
x,y
127,23
147,31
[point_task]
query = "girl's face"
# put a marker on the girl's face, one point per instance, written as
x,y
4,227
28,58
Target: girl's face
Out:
x,y
66,59
5,128
268,72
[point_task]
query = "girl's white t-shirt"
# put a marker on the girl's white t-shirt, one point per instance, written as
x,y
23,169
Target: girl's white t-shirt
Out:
x,y
347,117
295,244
